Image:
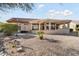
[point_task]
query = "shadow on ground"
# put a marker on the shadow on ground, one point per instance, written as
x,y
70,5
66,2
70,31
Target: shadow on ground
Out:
x,y
52,40
21,37
27,48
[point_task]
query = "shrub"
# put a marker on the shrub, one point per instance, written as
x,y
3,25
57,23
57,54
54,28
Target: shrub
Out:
x,y
13,46
77,30
9,29
1,30
40,34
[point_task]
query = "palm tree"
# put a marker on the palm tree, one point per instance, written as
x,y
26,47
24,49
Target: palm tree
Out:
x,y
24,6
9,28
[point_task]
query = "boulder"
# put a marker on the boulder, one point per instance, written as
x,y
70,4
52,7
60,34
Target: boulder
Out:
x,y
20,49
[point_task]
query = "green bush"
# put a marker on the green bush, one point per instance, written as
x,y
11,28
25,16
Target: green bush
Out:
x,y
1,30
40,34
77,30
9,29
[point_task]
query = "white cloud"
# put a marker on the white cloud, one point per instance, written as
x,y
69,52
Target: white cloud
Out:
x,y
57,13
67,13
51,11
54,12
40,6
50,14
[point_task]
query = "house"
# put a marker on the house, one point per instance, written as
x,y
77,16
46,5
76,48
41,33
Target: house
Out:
x,y
49,26
74,25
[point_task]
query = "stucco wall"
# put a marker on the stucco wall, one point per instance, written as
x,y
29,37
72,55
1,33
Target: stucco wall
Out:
x,y
73,26
25,27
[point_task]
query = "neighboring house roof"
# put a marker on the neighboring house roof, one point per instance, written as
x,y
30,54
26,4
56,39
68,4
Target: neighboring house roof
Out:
x,y
27,20
19,20
75,21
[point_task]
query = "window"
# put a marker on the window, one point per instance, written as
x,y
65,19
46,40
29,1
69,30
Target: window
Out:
x,y
57,26
19,27
77,25
35,27
71,30
52,26
42,26
47,27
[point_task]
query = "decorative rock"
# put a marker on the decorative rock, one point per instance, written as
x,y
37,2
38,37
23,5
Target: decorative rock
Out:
x,y
19,39
20,49
7,39
1,52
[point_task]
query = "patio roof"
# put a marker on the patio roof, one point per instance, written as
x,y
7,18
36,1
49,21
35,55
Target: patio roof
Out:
x,y
29,20
52,21
75,21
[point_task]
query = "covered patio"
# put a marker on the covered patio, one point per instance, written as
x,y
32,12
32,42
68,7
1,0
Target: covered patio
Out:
x,y
49,25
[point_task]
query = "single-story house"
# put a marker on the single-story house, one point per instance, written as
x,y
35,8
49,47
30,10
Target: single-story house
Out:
x,y
49,26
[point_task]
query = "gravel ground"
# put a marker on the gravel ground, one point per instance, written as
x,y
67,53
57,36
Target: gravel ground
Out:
x,y
52,45
58,45
2,48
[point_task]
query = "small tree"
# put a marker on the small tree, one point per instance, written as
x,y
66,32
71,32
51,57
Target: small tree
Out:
x,y
9,29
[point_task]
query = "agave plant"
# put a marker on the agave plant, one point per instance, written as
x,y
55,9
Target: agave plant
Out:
x,y
40,35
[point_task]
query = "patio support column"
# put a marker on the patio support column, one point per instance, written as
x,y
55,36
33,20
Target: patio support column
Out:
x,y
18,27
55,26
39,26
44,26
49,25
31,26
68,25
64,26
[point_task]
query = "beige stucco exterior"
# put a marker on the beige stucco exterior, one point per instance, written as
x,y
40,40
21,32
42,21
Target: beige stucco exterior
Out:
x,y
73,26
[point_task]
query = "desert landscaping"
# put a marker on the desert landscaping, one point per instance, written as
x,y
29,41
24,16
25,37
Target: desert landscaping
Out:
x,y
31,45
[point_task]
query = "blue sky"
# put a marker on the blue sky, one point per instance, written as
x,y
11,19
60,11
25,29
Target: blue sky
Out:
x,y
51,11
